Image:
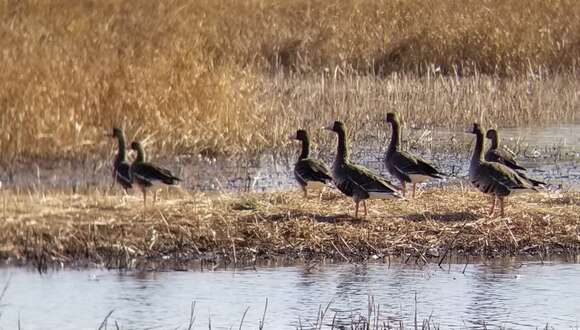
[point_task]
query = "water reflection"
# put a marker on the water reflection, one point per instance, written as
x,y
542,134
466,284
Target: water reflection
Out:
x,y
510,294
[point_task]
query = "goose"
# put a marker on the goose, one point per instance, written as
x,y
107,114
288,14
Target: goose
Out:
x,y
401,164
495,154
145,175
309,172
492,178
354,180
121,168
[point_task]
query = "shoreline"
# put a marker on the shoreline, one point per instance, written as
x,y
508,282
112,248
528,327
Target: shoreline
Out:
x,y
100,230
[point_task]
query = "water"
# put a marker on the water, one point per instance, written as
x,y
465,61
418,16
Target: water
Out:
x,y
505,293
551,154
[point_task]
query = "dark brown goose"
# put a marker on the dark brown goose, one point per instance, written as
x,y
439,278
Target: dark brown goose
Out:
x,y
309,172
121,168
492,178
401,164
495,154
145,175
357,181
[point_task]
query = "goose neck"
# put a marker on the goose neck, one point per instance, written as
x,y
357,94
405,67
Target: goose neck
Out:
x,y
305,148
478,150
342,151
395,136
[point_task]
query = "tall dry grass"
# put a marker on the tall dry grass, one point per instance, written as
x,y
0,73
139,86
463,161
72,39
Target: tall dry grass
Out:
x,y
231,76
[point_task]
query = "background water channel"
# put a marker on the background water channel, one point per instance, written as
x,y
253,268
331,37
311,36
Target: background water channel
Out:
x,y
508,293
550,153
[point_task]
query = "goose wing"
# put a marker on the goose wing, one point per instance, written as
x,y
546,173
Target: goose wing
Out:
x,y
535,183
409,164
309,169
499,179
503,157
369,182
150,172
122,174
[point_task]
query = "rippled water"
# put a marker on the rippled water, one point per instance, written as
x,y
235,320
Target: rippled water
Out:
x,y
505,293
551,154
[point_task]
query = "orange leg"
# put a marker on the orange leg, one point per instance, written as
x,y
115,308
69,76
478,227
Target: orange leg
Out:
x,y
493,205
144,197
365,206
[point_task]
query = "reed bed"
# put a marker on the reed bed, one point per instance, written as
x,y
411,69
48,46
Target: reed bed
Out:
x,y
190,77
48,228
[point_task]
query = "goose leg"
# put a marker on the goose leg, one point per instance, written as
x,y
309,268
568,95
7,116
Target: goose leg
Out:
x,y
414,185
144,198
356,208
365,206
404,187
305,192
320,196
154,196
501,205
493,205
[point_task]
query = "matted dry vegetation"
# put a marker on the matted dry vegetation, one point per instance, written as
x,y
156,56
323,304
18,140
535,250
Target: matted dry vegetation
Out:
x,y
202,76
95,227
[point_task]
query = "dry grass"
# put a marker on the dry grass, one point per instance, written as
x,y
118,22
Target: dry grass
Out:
x,y
45,228
227,77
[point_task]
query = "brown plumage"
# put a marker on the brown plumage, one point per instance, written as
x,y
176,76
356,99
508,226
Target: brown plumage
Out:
x,y
121,168
357,181
492,178
309,171
498,155
401,164
145,175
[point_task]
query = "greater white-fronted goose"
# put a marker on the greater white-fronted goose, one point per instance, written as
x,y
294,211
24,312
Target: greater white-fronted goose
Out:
x,y
309,172
498,155
492,178
121,168
145,175
401,164
357,181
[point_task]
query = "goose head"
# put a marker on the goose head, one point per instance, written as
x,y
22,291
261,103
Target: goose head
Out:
x,y
491,134
300,135
475,129
337,127
393,117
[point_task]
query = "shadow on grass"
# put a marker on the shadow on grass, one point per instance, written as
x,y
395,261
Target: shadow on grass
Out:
x,y
301,215
564,200
443,217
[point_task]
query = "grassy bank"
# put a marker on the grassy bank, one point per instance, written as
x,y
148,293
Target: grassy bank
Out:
x,y
191,77
53,227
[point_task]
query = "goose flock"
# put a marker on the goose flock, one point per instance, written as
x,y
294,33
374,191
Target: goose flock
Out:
x,y
496,173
